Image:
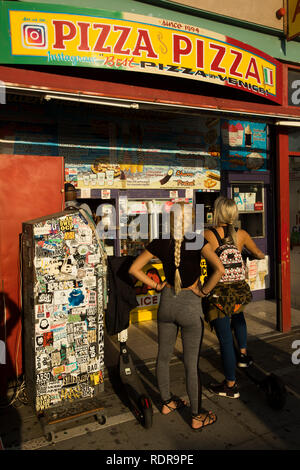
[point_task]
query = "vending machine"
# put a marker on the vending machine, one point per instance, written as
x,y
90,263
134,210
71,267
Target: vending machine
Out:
x,y
64,298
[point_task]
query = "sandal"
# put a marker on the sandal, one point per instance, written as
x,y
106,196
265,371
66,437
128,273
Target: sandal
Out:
x,y
210,415
178,402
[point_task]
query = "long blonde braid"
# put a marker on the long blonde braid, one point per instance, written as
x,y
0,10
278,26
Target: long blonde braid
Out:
x,y
177,252
177,233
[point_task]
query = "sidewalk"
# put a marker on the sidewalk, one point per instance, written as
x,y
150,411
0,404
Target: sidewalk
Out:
x,y
246,423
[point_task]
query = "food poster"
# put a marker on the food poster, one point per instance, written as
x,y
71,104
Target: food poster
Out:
x,y
257,273
244,145
69,309
169,153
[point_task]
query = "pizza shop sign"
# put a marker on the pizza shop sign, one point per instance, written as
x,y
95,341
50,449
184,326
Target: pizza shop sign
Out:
x,y
142,44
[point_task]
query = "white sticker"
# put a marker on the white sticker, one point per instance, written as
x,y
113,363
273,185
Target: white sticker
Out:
x,y
94,259
45,230
105,194
85,193
61,297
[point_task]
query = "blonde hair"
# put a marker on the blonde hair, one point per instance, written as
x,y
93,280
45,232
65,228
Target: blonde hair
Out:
x,y
226,212
177,229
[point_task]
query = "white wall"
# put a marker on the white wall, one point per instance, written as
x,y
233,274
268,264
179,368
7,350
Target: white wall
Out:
x,y
254,11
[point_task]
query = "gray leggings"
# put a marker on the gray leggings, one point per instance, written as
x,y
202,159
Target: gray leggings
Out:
x,y
183,310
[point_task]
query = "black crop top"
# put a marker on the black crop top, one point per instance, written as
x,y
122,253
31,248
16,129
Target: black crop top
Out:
x,y
189,267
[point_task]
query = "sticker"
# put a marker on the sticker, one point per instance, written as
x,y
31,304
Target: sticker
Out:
x,y
55,358
50,266
39,340
83,250
61,297
90,272
84,235
80,328
42,378
54,387
44,230
62,285
58,370
46,246
48,339
44,324
105,193
96,378
92,297
45,298
94,259
79,311
90,282
71,367
43,402
69,380
76,297
69,236
86,193
93,366
92,336
42,361
66,224
93,350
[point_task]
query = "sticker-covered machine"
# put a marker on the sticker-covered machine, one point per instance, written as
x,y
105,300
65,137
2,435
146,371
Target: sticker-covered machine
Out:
x,y
64,298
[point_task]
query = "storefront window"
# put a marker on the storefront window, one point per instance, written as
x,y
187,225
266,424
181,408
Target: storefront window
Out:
x,y
294,139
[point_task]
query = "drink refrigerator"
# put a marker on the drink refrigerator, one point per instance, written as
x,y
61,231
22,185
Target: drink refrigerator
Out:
x,y
64,297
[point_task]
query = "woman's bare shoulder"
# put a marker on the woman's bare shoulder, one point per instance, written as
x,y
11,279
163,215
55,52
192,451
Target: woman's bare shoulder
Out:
x,y
207,234
242,234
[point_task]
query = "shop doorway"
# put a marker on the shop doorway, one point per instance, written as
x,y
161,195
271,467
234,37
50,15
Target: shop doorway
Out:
x,y
295,230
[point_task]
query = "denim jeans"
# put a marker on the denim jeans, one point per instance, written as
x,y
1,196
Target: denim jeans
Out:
x,y
224,333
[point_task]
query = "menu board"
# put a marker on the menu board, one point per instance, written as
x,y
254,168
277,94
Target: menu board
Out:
x,y
244,145
131,176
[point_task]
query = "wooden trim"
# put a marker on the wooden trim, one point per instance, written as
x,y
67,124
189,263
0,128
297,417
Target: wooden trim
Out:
x,y
283,219
105,89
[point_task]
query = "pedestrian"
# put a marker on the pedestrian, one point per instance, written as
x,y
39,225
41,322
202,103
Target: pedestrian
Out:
x,y
223,307
71,201
180,307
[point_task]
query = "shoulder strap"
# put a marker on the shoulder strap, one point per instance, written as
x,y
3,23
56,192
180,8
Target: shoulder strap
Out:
x,y
214,231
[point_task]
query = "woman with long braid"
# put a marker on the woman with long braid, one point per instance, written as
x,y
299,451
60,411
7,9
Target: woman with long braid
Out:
x,y
223,307
180,307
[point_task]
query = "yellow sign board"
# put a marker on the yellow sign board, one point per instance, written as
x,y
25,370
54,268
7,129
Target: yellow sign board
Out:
x,y
142,44
293,18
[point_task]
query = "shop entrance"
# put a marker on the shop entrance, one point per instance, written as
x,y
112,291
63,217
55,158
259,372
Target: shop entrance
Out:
x,y
294,162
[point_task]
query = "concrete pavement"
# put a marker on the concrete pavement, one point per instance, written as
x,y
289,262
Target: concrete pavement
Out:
x,y
247,423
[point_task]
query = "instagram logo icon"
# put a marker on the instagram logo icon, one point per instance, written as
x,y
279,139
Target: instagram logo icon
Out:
x,y
34,35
